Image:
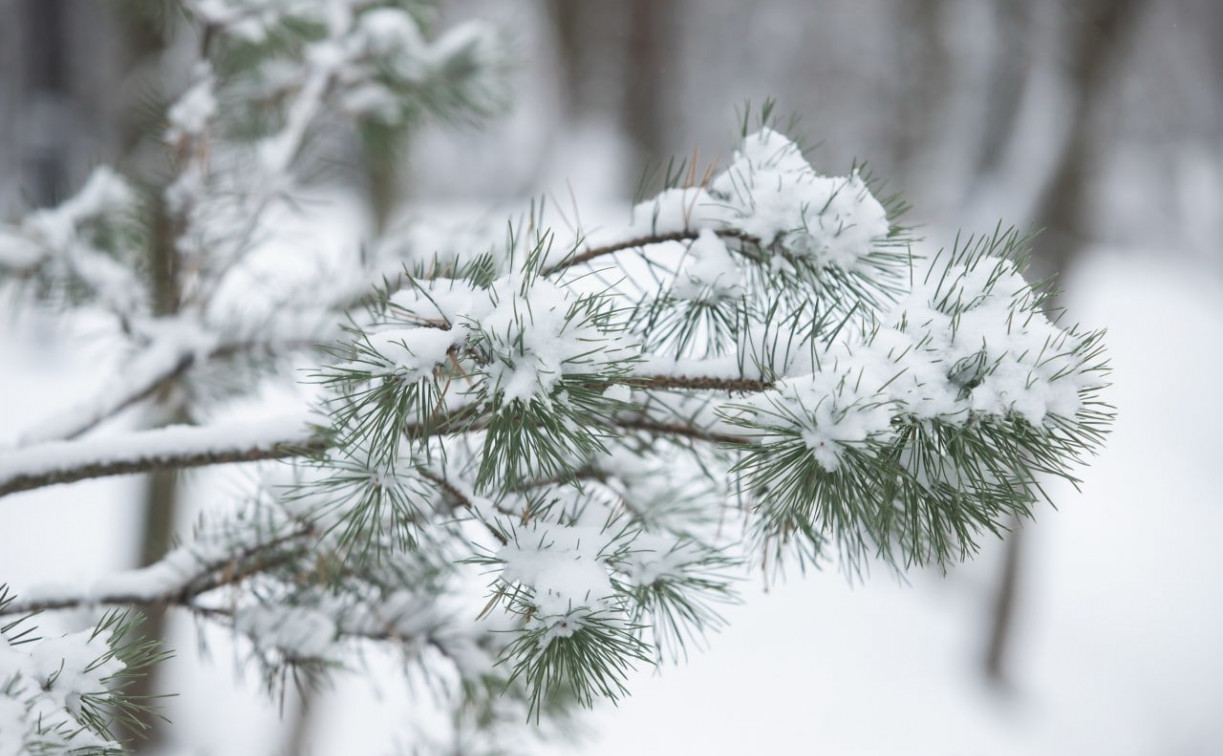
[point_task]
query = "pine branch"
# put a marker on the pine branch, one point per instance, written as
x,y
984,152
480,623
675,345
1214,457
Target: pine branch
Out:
x,y
586,255
176,447
57,462
681,430
697,383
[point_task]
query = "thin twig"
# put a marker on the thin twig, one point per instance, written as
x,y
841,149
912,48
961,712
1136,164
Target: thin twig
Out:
x,y
643,241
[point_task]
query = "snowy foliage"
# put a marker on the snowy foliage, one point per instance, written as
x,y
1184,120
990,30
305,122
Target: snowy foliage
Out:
x,y
55,692
599,434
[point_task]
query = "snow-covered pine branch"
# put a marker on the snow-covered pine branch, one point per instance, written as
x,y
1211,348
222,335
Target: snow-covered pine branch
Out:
x,y
768,328
530,466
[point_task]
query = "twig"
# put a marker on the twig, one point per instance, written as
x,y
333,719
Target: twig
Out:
x,y
174,447
642,241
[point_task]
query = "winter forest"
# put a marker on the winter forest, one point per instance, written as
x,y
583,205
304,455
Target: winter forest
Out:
x,y
418,377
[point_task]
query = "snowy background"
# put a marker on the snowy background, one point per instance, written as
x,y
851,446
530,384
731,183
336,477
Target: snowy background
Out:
x,y
1117,644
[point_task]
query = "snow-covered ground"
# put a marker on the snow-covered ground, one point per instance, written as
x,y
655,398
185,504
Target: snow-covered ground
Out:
x,y
1119,647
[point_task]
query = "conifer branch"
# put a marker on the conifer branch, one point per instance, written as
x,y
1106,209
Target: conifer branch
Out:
x,y
697,383
579,256
170,448
681,430
57,462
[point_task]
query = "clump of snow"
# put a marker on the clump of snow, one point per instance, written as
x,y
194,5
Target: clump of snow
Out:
x,y
393,36
843,403
536,335
104,194
978,326
671,211
195,108
42,686
967,342
771,192
709,273
17,251
414,353
655,558
561,566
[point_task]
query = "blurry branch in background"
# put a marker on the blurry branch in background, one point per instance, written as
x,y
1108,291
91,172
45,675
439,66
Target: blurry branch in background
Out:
x,y
167,448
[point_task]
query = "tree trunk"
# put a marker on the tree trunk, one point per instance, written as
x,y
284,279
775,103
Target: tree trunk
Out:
x,y
1094,47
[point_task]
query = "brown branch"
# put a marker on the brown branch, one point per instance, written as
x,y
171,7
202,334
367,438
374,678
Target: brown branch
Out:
x,y
141,460
69,462
461,499
577,258
651,425
698,383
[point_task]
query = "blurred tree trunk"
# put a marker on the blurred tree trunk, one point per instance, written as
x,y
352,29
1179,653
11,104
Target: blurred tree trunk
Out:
x,y
926,74
46,93
1093,48
145,40
649,65
1008,71
616,61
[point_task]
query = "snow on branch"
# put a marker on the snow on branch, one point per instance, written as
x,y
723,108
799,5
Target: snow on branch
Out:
x,y
178,579
174,447
176,348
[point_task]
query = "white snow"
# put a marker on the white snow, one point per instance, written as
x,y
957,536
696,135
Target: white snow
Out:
x,y
195,107
710,272
772,193
222,438
769,192
413,353
536,339
562,567
41,687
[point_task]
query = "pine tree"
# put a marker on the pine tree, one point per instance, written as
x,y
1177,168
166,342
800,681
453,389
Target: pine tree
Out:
x,y
599,434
